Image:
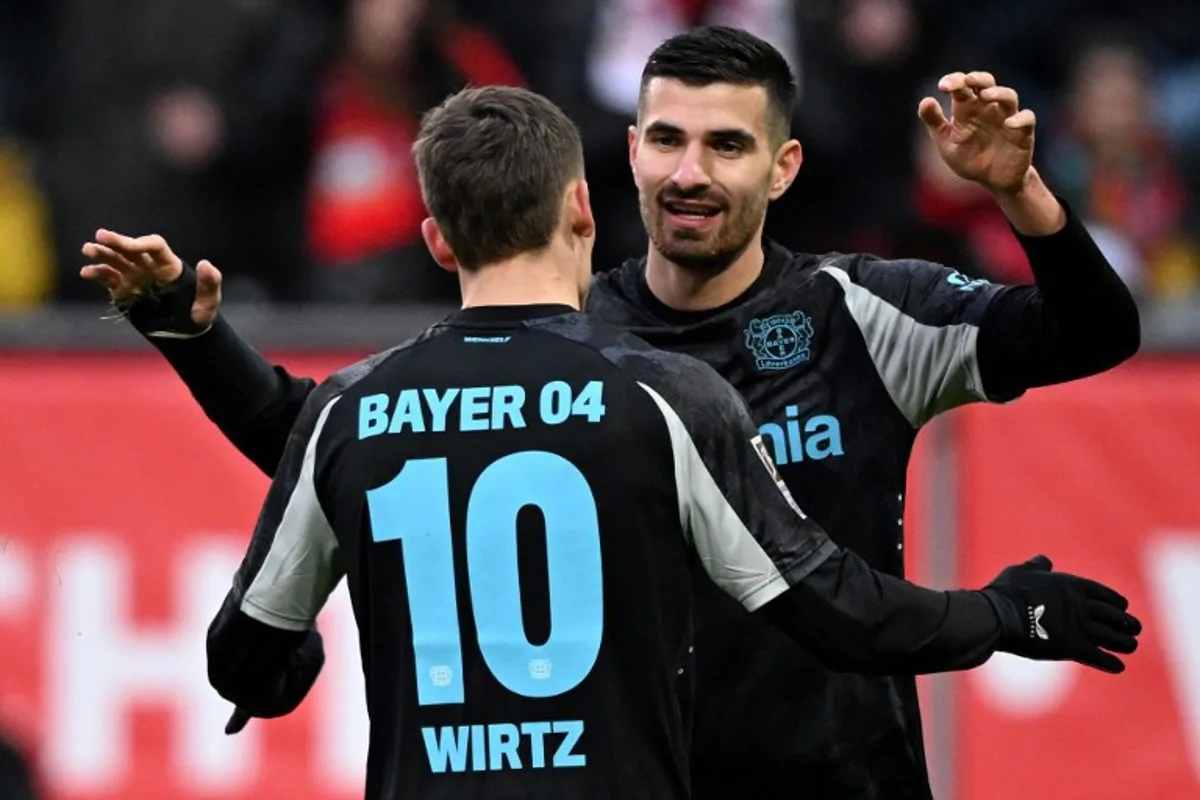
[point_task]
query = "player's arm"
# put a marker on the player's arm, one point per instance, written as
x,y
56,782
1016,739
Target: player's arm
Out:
x,y
940,340
252,402
264,652
960,341
1079,319
759,547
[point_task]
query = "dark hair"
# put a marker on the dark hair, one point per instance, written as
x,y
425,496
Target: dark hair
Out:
x,y
493,164
717,54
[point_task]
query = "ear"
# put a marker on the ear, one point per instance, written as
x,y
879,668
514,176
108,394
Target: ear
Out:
x,y
633,148
438,247
578,210
788,159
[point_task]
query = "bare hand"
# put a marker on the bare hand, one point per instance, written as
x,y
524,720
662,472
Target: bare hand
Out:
x,y
131,268
988,138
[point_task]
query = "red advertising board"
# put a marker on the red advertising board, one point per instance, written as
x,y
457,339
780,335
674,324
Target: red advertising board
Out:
x,y
1103,476
123,514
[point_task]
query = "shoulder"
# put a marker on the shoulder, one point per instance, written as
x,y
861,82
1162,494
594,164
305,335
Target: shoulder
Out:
x,y
687,386
619,347
930,293
613,293
872,270
683,382
355,378
792,267
349,376
620,280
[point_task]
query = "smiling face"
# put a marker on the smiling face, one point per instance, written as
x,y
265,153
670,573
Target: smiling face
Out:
x,y
706,168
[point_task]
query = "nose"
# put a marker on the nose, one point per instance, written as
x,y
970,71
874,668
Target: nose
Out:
x,y
691,172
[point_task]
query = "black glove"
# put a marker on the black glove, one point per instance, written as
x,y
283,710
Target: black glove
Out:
x,y
1053,616
303,666
167,311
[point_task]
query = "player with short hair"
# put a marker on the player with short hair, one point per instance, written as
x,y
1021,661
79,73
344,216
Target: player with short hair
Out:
x,y
842,357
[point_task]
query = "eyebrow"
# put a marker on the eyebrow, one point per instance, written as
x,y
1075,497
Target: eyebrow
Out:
x,y
739,135
664,127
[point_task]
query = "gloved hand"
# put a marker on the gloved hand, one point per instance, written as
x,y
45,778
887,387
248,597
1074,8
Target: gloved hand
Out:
x,y
1053,616
147,283
303,667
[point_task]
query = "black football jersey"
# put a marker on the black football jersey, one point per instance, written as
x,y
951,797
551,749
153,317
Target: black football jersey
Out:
x,y
842,358
517,500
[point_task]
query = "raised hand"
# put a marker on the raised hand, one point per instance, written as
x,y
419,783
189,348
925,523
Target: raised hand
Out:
x,y
133,268
988,138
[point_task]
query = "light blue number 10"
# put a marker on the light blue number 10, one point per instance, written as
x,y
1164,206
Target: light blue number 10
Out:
x,y
414,507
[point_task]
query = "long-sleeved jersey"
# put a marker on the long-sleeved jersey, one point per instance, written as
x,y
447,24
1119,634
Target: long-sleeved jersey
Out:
x,y
518,500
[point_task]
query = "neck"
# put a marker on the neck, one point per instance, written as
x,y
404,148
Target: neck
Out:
x,y
690,290
527,279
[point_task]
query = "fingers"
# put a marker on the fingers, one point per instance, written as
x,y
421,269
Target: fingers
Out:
x,y
208,294
1111,629
149,257
237,721
1002,96
102,274
1098,591
106,255
955,85
1106,614
1109,639
965,87
153,245
979,80
931,113
1022,120
1098,659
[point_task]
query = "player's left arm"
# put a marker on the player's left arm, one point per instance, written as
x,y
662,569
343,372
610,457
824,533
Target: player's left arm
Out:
x,y
264,652
1079,319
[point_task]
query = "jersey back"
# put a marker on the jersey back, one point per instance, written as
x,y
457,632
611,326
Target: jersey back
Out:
x,y
505,507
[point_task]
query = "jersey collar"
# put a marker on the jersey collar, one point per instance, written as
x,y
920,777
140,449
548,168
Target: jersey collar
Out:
x,y
773,258
500,315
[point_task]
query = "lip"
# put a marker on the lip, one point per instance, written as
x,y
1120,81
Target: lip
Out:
x,y
694,223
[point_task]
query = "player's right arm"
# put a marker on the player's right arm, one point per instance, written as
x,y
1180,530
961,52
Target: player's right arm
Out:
x,y
758,546
252,402
264,651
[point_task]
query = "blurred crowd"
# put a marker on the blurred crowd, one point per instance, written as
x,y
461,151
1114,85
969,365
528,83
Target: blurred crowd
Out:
x,y
272,136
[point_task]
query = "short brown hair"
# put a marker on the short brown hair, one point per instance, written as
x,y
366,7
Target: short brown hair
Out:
x,y
493,163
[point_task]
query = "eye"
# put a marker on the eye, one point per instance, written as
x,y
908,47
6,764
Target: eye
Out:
x,y
664,139
729,147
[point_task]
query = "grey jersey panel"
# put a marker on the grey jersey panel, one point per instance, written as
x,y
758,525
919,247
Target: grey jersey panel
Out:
x,y
926,368
301,567
729,553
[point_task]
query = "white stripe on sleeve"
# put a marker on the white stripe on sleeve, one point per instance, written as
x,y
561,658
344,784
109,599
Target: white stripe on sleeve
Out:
x,y
298,573
730,554
925,368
